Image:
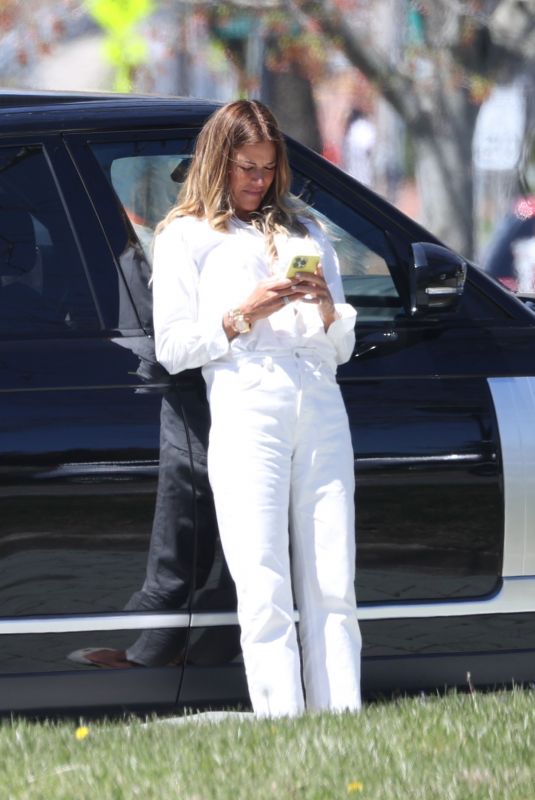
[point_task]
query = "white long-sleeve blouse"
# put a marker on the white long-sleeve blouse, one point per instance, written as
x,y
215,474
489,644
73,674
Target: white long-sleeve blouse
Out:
x,y
199,274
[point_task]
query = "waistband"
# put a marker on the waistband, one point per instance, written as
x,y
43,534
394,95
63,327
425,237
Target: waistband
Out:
x,y
268,358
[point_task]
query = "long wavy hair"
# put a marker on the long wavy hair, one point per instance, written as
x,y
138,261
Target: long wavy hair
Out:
x,y
205,193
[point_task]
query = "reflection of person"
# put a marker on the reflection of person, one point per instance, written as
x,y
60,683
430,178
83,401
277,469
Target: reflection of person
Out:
x,y
280,455
510,255
183,513
524,264
183,531
359,141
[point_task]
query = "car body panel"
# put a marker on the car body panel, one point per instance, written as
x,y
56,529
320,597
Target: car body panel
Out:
x,y
514,400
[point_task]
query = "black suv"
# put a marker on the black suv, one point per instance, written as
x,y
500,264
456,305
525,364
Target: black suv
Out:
x,y
440,392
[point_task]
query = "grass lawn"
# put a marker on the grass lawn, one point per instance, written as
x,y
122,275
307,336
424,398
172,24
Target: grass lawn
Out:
x,y
455,747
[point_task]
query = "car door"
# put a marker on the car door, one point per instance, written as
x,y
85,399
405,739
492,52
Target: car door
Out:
x,y
78,445
430,519
440,403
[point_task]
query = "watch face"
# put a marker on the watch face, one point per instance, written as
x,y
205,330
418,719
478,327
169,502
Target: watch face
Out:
x,y
238,322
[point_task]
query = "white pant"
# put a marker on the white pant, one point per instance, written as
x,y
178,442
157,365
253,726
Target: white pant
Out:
x,y
279,459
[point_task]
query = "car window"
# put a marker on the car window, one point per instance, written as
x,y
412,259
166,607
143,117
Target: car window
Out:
x,y
43,286
368,284
146,177
363,251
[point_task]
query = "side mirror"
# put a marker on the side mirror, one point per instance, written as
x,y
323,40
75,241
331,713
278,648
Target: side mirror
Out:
x,y
437,278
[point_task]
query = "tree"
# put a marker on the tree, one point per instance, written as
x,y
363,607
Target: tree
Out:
x,y
457,50
286,70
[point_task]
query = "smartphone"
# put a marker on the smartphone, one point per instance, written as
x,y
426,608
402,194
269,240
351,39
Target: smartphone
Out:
x,y
302,264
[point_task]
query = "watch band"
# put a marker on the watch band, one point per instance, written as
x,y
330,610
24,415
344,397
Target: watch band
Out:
x,y
238,321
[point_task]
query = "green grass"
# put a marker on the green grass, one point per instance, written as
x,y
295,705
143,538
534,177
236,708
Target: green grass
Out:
x,y
449,748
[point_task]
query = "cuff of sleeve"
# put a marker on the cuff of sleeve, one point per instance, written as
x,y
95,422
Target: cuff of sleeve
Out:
x,y
345,323
218,343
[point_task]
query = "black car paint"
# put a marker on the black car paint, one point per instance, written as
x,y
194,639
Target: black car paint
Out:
x,y
79,452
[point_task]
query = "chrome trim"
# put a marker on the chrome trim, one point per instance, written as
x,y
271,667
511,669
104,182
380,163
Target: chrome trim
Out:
x,y
102,622
85,468
517,596
217,619
514,403
89,388
441,290
389,461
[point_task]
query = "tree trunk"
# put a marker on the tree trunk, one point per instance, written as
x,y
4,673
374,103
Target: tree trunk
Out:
x,y
289,95
445,192
443,153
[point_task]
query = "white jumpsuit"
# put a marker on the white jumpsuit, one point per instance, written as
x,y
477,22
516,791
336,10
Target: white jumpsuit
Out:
x,y
280,459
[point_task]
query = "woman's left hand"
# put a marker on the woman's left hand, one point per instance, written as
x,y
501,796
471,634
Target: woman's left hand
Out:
x,y
317,291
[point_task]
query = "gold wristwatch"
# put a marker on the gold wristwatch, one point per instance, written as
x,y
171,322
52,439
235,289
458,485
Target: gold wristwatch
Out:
x,y
238,321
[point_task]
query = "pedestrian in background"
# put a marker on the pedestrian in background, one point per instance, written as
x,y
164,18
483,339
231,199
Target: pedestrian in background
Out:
x,y
357,148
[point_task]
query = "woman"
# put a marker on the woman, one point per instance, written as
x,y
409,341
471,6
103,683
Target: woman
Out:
x,y
280,459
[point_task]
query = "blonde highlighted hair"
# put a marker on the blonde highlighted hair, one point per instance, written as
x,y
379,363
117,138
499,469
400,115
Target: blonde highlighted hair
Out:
x,y
206,194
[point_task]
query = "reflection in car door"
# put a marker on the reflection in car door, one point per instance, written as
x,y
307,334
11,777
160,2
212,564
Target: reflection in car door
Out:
x,y
144,170
79,448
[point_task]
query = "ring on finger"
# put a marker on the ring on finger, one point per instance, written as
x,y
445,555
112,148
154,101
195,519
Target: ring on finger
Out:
x,y
285,299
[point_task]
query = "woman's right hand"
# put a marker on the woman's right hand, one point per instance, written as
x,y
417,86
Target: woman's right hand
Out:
x,y
269,295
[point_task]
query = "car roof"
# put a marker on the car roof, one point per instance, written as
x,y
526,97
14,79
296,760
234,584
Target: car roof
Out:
x,y
33,111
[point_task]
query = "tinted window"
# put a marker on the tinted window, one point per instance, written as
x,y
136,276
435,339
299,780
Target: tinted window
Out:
x,y
363,251
368,284
370,271
146,178
43,287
